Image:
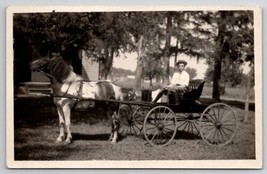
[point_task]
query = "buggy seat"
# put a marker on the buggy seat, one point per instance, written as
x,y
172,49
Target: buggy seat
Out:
x,y
191,95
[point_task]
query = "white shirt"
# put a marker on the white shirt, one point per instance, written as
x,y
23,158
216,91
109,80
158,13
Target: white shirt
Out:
x,y
180,78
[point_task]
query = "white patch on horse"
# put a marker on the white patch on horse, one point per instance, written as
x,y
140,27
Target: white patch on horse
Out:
x,y
72,77
118,92
89,90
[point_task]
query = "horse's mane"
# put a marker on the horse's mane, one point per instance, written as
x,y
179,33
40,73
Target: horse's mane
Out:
x,y
59,69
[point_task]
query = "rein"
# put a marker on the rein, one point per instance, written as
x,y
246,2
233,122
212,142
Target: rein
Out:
x,y
48,75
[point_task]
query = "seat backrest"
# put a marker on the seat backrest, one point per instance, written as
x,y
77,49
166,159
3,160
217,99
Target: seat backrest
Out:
x,y
194,84
195,89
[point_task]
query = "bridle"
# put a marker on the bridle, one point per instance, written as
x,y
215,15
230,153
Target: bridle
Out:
x,y
48,75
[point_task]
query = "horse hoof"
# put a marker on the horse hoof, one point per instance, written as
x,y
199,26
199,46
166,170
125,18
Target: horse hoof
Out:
x,y
59,140
113,142
68,141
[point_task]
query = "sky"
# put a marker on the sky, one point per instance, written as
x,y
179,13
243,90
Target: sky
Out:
x,y
129,61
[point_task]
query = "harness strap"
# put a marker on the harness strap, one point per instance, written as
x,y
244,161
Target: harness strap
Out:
x,y
80,90
48,75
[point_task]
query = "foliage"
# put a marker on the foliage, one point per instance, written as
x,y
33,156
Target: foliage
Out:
x,y
217,36
102,34
233,42
231,75
191,71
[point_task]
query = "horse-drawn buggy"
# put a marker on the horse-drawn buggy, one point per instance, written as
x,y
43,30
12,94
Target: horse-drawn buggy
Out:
x,y
158,123
161,122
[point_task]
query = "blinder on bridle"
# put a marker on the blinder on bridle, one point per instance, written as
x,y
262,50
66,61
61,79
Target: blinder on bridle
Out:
x,y
45,63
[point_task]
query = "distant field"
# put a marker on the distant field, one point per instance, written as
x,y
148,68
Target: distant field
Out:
x,y
233,93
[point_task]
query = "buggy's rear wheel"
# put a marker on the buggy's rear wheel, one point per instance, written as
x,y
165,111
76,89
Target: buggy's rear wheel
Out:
x,y
188,122
218,124
160,126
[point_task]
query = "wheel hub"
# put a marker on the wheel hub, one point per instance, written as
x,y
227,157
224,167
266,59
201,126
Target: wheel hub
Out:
x,y
218,125
190,117
160,126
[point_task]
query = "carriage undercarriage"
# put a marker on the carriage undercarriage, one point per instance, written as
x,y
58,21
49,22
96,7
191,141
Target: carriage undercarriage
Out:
x,y
160,123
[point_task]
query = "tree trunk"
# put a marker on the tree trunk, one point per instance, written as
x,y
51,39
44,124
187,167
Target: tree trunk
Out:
x,y
139,68
216,80
106,63
248,92
158,79
166,56
219,55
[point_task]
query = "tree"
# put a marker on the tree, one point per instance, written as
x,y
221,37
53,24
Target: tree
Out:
x,y
102,34
191,71
231,74
145,30
153,67
232,33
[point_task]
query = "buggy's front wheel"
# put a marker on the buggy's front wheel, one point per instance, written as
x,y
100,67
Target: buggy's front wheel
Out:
x,y
160,126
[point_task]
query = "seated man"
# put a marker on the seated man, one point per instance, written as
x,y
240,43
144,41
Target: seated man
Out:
x,y
179,82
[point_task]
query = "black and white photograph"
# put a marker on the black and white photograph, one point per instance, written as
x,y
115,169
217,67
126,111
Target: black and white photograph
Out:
x,y
134,87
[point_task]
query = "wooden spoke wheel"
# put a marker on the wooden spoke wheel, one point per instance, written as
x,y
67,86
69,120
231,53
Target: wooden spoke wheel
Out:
x,y
218,124
131,120
160,126
188,122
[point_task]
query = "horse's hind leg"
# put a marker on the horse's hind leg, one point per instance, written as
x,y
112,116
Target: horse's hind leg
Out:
x,y
61,124
115,128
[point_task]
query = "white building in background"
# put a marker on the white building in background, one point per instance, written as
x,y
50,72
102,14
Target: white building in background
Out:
x,y
90,68
89,71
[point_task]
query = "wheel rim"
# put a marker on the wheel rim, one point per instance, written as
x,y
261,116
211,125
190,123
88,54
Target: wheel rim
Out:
x,y
131,120
218,124
188,122
160,126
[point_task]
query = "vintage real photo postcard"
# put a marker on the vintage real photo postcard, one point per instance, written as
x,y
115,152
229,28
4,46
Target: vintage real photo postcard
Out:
x,y
134,87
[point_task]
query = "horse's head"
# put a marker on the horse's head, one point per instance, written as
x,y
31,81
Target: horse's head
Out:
x,y
55,67
41,65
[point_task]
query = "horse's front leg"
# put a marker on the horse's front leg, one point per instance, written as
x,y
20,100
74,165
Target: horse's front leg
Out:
x,y
61,124
67,111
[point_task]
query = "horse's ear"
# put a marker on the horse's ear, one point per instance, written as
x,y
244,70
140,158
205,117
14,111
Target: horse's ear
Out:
x,y
54,54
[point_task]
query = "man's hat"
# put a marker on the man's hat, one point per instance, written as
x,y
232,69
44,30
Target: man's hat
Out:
x,y
181,61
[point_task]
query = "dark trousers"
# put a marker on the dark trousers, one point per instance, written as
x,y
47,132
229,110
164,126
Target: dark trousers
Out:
x,y
174,93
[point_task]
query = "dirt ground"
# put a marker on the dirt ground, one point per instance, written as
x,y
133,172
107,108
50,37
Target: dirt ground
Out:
x,y
36,129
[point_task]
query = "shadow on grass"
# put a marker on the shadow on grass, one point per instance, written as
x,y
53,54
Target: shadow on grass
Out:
x,y
94,137
98,137
42,152
186,135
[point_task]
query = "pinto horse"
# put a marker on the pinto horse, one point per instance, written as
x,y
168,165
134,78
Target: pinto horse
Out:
x,y
68,88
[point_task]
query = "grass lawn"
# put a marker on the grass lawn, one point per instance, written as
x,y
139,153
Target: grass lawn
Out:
x,y
36,129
